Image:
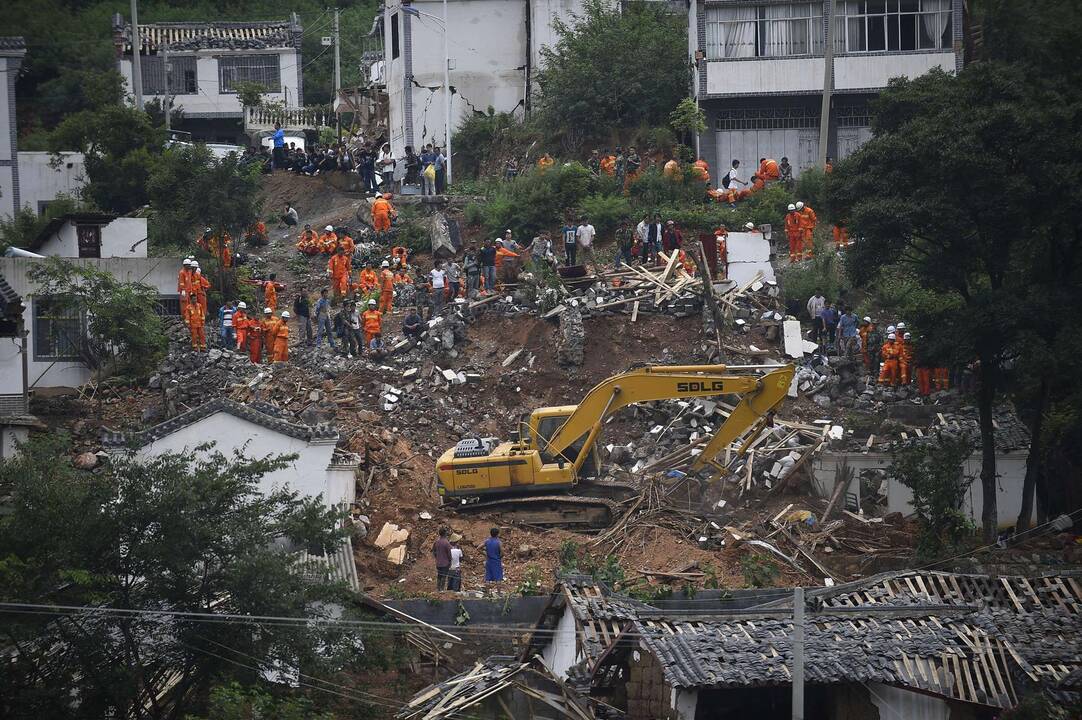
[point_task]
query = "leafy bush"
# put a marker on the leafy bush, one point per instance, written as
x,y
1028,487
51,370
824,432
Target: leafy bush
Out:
x,y
605,211
536,200
652,188
20,231
758,571
811,188
531,581
483,142
934,472
825,272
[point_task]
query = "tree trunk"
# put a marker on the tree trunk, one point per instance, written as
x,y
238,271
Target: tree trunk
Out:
x,y
1033,462
985,401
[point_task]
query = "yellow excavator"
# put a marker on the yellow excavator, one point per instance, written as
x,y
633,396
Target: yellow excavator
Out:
x,y
556,446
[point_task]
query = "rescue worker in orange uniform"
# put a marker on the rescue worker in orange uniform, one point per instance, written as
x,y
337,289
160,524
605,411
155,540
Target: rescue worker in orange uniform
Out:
x,y
888,375
197,288
608,165
545,161
792,231
346,243
865,330
768,170
270,292
368,280
841,236
328,241
255,337
941,378
400,257
905,355
402,277
721,237
671,171
502,253
339,268
382,213
184,288
309,241
270,333
197,327
240,324
701,170
924,375
808,221
371,323
257,234
280,346
386,288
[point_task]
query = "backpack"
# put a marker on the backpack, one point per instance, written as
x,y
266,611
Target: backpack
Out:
x,y
725,181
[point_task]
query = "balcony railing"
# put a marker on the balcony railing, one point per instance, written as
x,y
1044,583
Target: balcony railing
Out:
x,y
297,118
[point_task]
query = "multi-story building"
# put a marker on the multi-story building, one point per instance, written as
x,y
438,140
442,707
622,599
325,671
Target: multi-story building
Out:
x,y
12,52
208,60
761,68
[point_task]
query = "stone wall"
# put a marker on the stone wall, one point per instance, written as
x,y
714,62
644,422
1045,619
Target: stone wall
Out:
x,y
648,695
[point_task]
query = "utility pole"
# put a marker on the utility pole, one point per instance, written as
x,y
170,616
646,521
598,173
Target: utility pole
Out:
x,y
828,86
168,97
798,653
337,75
136,45
447,90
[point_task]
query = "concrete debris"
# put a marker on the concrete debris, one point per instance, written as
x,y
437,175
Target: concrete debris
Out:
x,y
393,539
570,343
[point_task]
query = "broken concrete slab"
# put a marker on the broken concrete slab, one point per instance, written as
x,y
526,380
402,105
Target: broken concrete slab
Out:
x,y
793,341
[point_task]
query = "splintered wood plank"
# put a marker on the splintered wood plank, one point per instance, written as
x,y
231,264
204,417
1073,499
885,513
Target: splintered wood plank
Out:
x,y
1010,593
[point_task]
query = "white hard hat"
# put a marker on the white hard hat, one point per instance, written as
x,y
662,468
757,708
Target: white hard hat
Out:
x,y
800,205
379,195
749,226
867,319
901,326
907,336
242,305
267,310
187,261
792,206
371,302
329,228
385,264
891,337
285,314
891,329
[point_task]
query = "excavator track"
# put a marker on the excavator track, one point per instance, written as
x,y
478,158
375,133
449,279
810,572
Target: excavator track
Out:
x,y
574,512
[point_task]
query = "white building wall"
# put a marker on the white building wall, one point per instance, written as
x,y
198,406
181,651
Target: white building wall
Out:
x,y
684,702
122,238
561,652
898,703
862,72
40,182
307,474
9,201
1011,469
210,101
741,77
160,273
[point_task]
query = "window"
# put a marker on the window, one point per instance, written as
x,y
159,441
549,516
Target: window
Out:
x,y
182,78
262,70
770,118
764,31
57,331
168,305
893,25
89,238
394,36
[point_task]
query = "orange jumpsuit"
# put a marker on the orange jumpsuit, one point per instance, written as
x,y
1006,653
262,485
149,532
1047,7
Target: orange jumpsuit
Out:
x,y
905,360
346,243
255,341
258,233
501,253
372,322
863,332
280,348
672,170
339,267
402,278
792,231
270,294
545,161
924,381
888,375
941,378
841,236
768,170
198,294
700,170
723,252
328,243
240,327
309,242
808,221
381,215
196,325
608,165
386,290
400,254
367,282
270,335
184,290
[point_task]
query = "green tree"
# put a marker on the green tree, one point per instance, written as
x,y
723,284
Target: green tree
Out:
x,y
121,145
927,195
123,331
594,77
190,189
688,119
236,702
20,230
934,473
178,533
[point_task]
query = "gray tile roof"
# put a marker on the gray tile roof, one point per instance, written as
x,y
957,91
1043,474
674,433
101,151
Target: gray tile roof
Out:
x,y
8,296
262,414
12,43
189,36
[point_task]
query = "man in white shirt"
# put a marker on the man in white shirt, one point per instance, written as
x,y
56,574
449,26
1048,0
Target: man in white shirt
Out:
x,y
437,279
733,176
454,572
815,306
585,238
